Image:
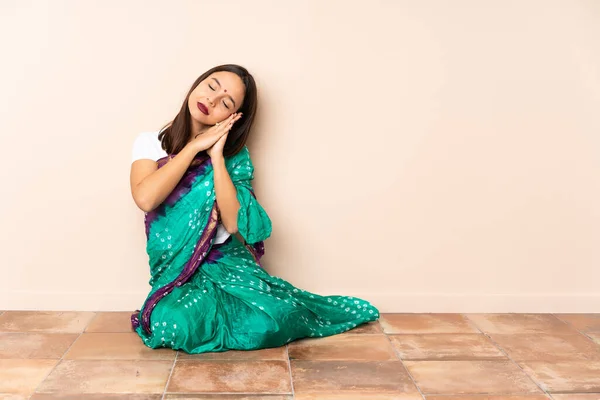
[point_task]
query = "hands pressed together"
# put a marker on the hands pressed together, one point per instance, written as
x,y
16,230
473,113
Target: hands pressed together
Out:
x,y
213,139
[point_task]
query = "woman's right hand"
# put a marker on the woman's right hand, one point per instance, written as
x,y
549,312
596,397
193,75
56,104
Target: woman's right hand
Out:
x,y
208,138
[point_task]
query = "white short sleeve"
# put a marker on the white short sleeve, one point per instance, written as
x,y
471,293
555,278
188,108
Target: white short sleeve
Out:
x,y
147,146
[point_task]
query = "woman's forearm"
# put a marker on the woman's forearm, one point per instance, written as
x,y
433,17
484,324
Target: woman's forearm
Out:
x,y
155,188
226,195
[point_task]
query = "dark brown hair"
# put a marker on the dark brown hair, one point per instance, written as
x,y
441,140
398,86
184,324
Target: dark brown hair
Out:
x,y
175,135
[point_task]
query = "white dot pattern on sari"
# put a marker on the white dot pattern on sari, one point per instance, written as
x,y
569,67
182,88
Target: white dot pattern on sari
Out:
x,y
231,302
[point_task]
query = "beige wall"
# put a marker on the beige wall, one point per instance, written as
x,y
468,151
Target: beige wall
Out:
x,y
427,156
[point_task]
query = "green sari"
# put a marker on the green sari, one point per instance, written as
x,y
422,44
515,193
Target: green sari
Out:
x,y
209,297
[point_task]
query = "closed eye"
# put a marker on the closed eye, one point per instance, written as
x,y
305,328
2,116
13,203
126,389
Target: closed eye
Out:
x,y
225,105
212,88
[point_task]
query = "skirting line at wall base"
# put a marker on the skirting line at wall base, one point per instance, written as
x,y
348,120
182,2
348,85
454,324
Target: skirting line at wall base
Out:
x,y
386,302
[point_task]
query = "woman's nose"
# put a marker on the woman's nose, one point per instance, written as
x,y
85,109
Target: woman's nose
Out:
x,y
209,100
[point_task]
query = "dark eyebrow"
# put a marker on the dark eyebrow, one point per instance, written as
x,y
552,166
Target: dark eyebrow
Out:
x,y
231,98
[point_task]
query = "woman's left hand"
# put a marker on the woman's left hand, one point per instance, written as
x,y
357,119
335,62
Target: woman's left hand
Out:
x,y
217,149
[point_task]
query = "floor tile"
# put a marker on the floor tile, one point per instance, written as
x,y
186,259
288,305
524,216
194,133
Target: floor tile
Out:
x,y
8,396
107,376
351,377
426,323
350,347
35,345
470,377
486,397
111,322
23,376
583,322
548,347
115,346
45,321
194,376
569,376
519,323
277,353
103,396
370,327
358,396
446,346
446,354
177,396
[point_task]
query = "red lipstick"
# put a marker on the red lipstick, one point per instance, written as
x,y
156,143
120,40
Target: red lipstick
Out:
x,y
202,108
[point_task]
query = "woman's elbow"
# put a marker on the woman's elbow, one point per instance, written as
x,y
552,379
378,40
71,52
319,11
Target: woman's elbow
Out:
x,y
146,209
231,229
144,204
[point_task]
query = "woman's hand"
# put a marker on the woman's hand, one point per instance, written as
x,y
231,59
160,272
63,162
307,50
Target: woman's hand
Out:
x,y
212,135
216,150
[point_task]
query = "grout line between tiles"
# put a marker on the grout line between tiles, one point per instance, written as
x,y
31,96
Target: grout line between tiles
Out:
x,y
405,367
573,326
91,321
170,375
57,364
287,354
507,356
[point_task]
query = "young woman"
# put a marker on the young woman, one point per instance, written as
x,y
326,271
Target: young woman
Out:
x,y
205,232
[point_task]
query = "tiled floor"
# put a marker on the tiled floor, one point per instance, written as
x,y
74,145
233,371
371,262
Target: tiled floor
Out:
x,y
84,355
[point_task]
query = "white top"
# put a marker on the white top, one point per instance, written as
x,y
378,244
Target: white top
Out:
x,y
147,146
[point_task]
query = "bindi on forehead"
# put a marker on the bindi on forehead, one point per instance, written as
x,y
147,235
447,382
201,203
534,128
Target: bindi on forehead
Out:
x,y
224,90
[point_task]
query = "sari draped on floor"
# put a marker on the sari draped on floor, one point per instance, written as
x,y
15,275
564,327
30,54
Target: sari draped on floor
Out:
x,y
209,297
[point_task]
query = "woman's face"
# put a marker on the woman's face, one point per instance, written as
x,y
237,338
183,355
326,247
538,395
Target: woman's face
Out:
x,y
216,98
